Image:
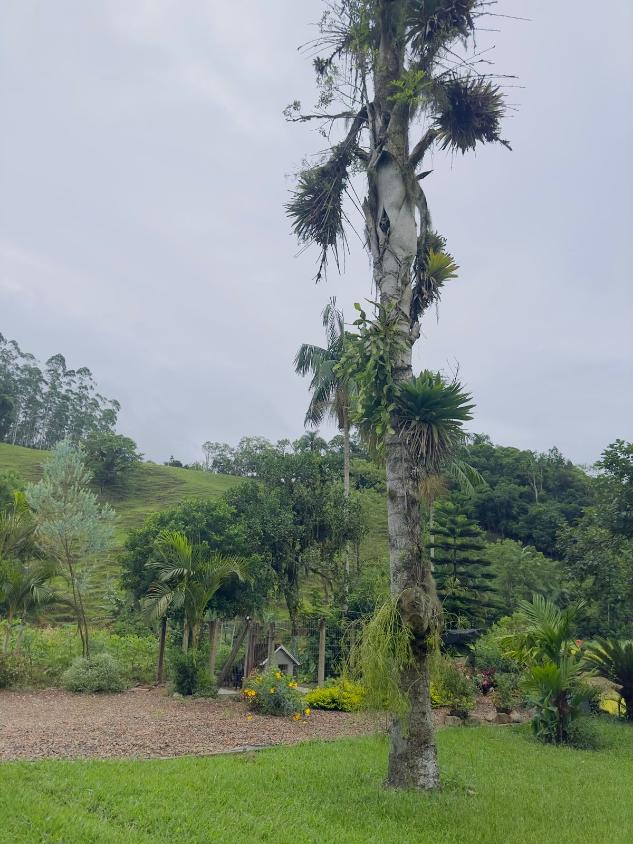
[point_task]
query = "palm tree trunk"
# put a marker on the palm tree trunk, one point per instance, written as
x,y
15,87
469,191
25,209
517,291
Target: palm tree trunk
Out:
x,y
214,633
161,650
346,460
185,636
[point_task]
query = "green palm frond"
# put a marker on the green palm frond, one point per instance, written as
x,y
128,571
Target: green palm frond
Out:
x,y
612,659
466,476
470,111
431,413
440,267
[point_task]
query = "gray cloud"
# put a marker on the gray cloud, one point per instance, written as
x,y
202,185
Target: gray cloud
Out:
x,y
144,169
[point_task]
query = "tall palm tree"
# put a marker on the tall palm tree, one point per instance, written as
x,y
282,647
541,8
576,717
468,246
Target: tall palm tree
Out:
x,y
187,577
613,660
331,392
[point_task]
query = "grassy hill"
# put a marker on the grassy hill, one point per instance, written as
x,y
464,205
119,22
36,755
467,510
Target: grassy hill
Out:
x,y
153,487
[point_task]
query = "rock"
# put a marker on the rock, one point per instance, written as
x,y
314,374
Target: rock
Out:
x,y
452,721
503,718
474,720
517,718
490,717
177,696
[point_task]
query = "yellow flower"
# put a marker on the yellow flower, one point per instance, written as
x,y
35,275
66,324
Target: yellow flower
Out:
x,y
272,690
307,711
296,717
278,675
249,717
292,685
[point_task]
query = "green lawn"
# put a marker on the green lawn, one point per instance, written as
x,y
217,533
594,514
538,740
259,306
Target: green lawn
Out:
x,y
501,787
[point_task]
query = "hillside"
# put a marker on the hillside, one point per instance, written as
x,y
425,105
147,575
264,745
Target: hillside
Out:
x,y
153,487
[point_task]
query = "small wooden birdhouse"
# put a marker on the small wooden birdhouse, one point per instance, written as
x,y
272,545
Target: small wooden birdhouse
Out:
x,y
283,661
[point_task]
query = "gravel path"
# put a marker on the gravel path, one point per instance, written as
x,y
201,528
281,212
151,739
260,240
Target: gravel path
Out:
x,y
148,723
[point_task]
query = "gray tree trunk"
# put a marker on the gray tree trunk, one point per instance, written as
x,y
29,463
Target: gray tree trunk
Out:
x,y
392,229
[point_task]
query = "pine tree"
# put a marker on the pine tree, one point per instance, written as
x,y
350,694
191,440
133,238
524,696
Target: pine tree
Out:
x,y
462,572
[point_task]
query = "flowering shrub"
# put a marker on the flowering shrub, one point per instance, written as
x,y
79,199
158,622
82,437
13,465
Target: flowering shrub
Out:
x,y
343,696
274,693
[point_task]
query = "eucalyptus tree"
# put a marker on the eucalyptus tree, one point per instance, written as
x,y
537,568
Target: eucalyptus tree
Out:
x,y
392,70
331,391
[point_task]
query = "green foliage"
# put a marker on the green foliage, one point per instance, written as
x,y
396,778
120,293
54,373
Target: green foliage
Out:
x,y
42,405
488,652
520,571
613,660
543,632
430,413
13,670
381,656
469,111
506,694
552,688
461,569
452,687
342,695
273,693
110,458
190,674
316,207
46,652
10,483
98,673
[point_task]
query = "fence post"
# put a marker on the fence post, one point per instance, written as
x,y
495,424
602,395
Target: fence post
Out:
x,y
247,646
271,645
321,666
214,635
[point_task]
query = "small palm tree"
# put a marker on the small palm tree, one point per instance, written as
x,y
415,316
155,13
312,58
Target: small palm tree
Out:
x,y
546,633
23,589
613,660
331,392
187,578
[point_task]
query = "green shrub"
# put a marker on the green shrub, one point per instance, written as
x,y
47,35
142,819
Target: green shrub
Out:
x,y
506,694
591,697
584,735
343,696
190,674
14,670
274,693
98,673
452,687
487,652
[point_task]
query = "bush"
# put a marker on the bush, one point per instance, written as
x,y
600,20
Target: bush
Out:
x,y
451,687
274,693
506,692
591,697
343,696
98,673
584,735
14,670
190,675
487,652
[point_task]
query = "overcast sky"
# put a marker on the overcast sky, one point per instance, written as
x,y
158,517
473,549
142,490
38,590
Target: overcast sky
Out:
x,y
145,163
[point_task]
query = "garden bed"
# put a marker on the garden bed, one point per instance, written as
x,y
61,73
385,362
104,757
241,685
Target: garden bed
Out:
x,y
147,723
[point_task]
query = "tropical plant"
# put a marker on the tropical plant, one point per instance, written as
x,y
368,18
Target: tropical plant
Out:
x,y
543,633
553,689
187,577
191,676
613,660
331,390
24,588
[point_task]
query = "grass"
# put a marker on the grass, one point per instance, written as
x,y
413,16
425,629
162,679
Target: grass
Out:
x,y
499,786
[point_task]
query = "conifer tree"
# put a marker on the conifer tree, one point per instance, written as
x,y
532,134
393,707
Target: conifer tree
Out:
x,y
462,572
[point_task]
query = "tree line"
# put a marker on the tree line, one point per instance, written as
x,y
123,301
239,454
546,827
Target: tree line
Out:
x,y
42,404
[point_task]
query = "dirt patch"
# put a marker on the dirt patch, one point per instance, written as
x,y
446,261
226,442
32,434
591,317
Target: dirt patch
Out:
x,y
148,723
